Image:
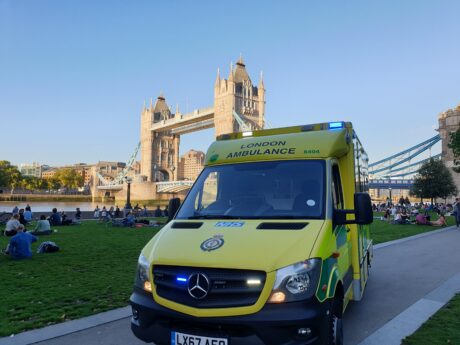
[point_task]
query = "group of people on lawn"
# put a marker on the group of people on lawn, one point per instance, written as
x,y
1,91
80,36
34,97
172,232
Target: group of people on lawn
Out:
x,y
19,246
402,212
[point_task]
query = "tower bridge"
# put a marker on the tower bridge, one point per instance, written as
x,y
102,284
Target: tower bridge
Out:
x,y
239,104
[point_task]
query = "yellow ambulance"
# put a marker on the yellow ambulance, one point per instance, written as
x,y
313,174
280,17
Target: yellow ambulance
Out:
x,y
270,245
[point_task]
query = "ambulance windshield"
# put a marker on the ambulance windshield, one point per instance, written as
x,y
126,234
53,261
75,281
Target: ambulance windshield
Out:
x,y
260,190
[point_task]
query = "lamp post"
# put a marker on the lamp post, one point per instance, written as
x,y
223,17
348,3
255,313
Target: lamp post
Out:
x,y
391,199
128,206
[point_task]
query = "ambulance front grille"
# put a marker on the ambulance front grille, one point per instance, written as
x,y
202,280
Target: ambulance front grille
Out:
x,y
227,288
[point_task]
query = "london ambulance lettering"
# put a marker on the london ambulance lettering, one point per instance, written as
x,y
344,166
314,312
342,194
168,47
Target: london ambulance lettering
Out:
x,y
263,148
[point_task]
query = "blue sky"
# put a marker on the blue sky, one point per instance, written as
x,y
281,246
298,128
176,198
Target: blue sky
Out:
x,y
74,74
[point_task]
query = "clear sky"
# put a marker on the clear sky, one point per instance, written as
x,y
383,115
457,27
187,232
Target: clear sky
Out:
x,y
74,74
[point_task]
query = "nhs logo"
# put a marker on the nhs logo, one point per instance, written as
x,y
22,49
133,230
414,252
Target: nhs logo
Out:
x,y
229,224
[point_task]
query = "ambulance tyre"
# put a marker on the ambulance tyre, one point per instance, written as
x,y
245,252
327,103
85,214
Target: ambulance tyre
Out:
x,y
335,321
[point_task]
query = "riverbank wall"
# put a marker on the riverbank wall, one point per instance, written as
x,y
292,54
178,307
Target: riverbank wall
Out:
x,y
45,197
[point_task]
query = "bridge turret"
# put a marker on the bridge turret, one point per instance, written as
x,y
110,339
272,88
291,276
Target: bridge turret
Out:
x,y
238,94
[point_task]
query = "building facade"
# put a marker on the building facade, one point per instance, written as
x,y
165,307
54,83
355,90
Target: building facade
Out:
x,y
31,169
449,121
191,164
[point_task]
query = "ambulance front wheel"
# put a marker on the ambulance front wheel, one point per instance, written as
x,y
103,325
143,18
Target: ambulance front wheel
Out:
x,y
335,322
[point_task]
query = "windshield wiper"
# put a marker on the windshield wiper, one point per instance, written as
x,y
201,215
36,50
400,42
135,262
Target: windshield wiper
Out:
x,y
212,216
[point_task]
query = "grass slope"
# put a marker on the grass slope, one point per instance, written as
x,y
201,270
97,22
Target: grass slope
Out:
x,y
93,272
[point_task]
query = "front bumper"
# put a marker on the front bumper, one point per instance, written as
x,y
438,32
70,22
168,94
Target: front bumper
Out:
x,y
274,324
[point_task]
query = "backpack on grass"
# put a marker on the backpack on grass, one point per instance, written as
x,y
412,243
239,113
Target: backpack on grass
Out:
x,y
47,247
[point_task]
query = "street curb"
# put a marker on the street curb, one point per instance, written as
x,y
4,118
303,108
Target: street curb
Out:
x,y
68,327
410,319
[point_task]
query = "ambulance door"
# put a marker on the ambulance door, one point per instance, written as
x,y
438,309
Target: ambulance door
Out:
x,y
341,232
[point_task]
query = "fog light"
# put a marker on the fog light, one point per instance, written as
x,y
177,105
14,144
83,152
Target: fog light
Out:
x,y
277,297
147,286
135,314
304,331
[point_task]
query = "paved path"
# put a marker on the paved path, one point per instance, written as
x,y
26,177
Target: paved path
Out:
x,y
401,274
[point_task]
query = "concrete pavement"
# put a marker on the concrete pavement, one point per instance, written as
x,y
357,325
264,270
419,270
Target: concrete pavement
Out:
x,y
402,274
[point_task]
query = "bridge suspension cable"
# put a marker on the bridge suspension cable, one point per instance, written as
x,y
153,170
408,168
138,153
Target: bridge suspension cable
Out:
x,y
386,166
118,180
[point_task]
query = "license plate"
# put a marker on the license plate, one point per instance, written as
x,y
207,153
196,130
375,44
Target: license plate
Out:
x,y
189,339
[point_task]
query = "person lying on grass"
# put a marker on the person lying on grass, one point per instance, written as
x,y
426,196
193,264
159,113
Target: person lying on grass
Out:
x,y
19,246
43,227
440,222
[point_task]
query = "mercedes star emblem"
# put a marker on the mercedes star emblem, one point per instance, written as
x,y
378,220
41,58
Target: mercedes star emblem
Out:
x,y
198,285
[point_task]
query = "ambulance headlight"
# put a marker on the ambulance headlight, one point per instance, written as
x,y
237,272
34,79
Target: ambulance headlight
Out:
x,y
296,282
143,273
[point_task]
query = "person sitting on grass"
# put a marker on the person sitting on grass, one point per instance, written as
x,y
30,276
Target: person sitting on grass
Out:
x,y
55,218
158,212
12,225
20,244
405,217
43,227
64,220
440,222
78,214
105,215
397,219
129,220
420,219
28,215
22,219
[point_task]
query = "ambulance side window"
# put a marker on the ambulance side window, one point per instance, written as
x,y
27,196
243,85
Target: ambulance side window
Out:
x,y
337,196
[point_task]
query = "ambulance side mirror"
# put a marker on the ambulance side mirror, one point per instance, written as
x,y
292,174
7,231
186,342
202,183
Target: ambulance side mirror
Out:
x,y
363,209
173,206
362,212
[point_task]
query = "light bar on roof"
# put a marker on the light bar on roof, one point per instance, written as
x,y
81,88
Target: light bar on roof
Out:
x,y
335,125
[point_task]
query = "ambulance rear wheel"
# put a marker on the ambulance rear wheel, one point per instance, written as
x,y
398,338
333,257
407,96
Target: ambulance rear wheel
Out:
x,y
335,322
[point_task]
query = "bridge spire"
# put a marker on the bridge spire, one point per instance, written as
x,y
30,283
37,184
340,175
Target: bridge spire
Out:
x,y
230,77
217,77
261,81
240,60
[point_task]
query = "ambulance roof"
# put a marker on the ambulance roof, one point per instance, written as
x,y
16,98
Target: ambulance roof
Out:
x,y
321,140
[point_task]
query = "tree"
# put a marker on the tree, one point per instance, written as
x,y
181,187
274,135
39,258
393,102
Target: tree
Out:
x,y
454,144
433,180
69,178
10,176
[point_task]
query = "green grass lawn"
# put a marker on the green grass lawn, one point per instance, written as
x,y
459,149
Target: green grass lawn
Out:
x,y
93,272
441,328
383,231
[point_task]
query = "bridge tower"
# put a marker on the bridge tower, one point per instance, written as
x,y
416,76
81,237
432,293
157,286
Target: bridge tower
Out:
x,y
236,101
449,121
159,150
238,94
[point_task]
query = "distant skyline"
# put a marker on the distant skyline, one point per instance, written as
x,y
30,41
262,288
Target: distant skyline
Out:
x,y
74,75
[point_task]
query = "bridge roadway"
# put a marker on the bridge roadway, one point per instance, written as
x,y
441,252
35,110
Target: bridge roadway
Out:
x,y
401,274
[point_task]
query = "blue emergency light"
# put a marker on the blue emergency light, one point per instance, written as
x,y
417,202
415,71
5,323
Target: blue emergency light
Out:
x,y
335,125
181,279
